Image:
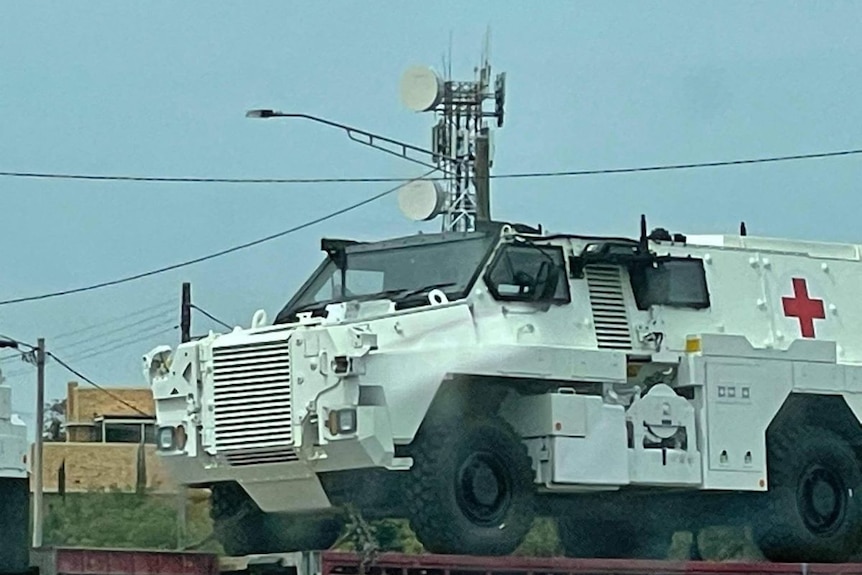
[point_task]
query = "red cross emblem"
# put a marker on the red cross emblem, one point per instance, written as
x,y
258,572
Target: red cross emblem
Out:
x,y
802,307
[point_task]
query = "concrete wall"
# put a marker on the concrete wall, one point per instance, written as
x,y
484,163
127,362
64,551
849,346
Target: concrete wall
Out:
x,y
102,466
94,466
83,404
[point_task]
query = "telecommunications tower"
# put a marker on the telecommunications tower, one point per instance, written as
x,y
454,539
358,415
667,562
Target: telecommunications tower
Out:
x,y
461,142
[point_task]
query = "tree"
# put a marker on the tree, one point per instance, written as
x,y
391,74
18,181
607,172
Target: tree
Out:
x,y
55,420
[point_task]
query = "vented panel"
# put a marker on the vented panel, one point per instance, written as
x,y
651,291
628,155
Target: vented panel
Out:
x,y
253,402
257,456
609,307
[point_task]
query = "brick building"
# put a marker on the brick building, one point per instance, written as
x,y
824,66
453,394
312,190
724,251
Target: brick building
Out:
x,y
109,443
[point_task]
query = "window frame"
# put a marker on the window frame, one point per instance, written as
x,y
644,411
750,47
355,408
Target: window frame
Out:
x,y
561,264
642,270
319,275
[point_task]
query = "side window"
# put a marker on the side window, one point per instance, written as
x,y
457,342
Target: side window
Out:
x,y
674,282
528,273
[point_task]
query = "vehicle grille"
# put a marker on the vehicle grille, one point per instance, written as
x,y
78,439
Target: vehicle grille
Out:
x,y
608,303
252,402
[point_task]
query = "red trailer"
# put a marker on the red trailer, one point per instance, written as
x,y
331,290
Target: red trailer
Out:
x,y
81,561
76,561
332,563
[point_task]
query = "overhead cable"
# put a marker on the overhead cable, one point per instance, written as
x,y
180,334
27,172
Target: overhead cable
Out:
x,y
361,180
116,319
117,343
120,344
97,386
80,375
212,317
213,255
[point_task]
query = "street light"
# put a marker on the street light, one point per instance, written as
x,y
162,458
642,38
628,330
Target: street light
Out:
x,y
361,136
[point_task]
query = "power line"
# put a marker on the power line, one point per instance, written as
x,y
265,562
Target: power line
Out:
x,y
689,166
213,255
212,317
160,318
18,341
97,386
188,180
103,351
14,373
122,342
80,375
356,205
76,343
361,180
115,319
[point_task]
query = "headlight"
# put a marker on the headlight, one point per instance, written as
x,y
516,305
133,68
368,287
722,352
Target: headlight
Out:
x,y
342,421
171,439
166,438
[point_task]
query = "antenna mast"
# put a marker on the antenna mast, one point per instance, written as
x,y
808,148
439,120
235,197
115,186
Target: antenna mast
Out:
x,y
460,139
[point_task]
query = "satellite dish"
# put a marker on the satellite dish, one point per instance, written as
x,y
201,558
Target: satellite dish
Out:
x,y
421,89
421,200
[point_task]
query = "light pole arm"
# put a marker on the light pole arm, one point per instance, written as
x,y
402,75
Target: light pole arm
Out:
x,y
401,149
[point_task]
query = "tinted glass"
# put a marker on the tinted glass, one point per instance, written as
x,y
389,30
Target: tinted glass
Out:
x,y
517,269
397,270
676,282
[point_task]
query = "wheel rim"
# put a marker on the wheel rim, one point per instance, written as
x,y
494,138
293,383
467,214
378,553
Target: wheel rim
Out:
x,y
822,499
483,488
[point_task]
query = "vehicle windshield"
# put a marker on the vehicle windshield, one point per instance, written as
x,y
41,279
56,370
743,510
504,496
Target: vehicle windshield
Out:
x,y
396,271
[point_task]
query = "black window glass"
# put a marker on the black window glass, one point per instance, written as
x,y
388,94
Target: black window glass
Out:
x,y
395,270
529,273
671,282
122,432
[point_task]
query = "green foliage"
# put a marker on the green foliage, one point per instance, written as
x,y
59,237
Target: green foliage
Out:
x,y
727,543
396,535
122,520
542,540
393,535
199,527
129,520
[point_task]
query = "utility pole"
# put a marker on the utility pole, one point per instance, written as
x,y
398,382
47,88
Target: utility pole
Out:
x,y
186,313
37,450
185,337
482,171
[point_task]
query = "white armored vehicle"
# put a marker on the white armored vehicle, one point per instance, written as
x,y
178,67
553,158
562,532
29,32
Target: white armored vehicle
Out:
x,y
14,488
471,381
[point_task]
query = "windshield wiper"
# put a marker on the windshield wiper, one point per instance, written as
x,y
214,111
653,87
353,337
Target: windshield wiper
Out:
x,y
423,289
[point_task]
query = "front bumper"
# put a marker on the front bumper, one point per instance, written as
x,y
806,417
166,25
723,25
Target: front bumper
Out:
x,y
278,487
294,486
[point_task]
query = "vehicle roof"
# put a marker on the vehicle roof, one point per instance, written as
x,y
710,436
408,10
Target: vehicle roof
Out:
x,y
814,249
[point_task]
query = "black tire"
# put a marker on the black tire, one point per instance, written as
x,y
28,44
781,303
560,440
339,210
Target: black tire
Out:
x,y
812,511
470,490
243,529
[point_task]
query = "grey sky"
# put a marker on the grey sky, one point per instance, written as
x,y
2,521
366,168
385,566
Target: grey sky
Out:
x,y
160,88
